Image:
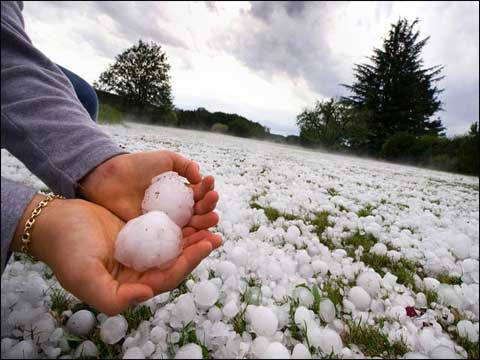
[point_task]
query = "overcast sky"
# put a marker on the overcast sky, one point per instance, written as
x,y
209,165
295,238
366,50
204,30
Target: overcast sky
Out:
x,y
263,60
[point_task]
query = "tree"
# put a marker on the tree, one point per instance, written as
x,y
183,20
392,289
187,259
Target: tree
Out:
x,y
321,124
397,90
333,124
140,74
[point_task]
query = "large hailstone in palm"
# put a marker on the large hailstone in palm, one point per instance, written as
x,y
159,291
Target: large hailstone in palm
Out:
x,y
148,241
169,194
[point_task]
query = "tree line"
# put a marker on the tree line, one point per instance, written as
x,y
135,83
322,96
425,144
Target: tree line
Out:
x,y
388,114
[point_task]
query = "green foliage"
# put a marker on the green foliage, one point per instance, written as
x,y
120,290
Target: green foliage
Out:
x,y
135,315
356,240
238,321
140,74
332,290
271,213
404,269
449,279
233,124
458,154
372,342
254,228
398,91
333,124
108,114
61,300
220,128
366,211
321,223
470,347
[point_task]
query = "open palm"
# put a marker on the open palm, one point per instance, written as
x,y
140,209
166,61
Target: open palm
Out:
x,y
80,252
119,185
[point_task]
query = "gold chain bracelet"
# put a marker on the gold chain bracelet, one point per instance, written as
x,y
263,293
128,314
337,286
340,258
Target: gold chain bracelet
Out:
x,y
26,237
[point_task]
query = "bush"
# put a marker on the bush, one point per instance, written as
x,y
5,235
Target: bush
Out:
x,y
109,115
220,128
401,146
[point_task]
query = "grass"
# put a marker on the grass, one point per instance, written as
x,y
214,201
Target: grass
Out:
x,y
448,279
271,213
135,315
61,301
238,321
403,269
183,289
354,242
254,228
109,115
470,347
366,211
316,297
188,335
332,291
332,192
321,223
297,333
18,256
372,342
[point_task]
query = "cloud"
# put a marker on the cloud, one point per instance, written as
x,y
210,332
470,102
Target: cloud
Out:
x,y
268,60
320,42
139,19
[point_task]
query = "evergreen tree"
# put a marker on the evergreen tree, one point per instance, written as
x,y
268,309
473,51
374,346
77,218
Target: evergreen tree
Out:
x,y
396,89
140,74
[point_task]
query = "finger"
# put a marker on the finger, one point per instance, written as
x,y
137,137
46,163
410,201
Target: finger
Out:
x,y
166,280
206,204
205,221
196,237
187,231
216,240
207,184
105,293
186,168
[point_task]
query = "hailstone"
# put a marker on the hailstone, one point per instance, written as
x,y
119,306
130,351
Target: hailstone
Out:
x,y
169,194
150,240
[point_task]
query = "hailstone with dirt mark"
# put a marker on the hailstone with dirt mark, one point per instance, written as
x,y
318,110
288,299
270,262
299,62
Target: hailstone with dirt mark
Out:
x,y
149,241
168,193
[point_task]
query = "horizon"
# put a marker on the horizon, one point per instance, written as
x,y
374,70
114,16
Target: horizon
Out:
x,y
262,60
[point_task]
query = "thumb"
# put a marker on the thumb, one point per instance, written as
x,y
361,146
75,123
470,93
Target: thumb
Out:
x,y
107,295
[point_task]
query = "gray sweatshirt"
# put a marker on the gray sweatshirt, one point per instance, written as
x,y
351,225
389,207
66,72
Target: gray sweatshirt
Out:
x,y
44,124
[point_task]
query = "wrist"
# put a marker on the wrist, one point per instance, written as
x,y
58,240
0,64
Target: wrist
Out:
x,y
91,182
39,232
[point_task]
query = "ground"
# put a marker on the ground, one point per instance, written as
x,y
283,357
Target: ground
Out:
x,y
299,227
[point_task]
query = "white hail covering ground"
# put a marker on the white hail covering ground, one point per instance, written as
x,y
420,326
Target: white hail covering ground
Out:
x,y
431,217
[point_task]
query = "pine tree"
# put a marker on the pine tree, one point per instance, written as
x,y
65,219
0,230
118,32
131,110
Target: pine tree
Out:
x,y
396,89
140,74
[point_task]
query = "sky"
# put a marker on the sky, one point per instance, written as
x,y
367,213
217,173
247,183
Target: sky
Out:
x,y
266,61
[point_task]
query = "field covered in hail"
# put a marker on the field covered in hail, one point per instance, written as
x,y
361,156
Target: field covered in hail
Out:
x,y
324,256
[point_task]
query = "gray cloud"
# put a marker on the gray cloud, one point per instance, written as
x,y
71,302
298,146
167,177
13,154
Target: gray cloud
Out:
x,y
138,19
282,37
290,38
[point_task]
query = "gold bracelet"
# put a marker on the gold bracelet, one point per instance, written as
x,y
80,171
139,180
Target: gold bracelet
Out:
x,y
26,237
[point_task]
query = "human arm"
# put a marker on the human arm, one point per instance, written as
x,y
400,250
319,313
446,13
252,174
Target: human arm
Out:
x,y
43,123
15,199
77,239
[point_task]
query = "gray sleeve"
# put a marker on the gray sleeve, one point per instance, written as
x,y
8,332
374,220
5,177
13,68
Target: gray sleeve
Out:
x,y
42,121
15,199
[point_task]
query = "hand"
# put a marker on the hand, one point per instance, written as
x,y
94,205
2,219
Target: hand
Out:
x,y
77,240
119,185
